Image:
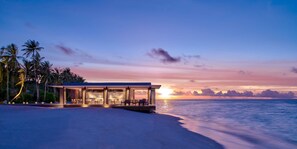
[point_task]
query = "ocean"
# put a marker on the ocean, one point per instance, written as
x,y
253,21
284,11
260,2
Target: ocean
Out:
x,y
238,123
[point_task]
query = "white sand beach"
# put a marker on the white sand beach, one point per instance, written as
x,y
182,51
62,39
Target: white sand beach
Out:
x,y
87,128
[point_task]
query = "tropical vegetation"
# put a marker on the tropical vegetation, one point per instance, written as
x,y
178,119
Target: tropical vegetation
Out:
x,y
25,78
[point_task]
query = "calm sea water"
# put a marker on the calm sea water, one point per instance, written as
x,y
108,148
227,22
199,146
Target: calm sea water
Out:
x,y
239,123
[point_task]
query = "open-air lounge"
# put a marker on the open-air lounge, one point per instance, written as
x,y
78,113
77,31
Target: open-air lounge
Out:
x,y
112,94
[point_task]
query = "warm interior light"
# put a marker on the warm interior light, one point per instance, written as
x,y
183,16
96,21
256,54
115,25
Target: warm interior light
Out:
x,y
106,106
165,92
85,105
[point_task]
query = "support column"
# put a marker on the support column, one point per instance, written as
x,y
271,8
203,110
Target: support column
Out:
x,y
83,96
64,95
133,94
149,94
61,96
128,93
105,96
76,94
153,96
107,99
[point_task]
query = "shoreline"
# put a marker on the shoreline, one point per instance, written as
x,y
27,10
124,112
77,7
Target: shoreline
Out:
x,y
233,137
38,127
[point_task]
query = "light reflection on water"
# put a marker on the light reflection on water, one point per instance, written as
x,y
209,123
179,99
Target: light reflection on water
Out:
x,y
164,106
261,118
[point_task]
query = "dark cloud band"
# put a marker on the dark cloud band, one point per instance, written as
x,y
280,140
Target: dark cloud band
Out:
x,y
164,56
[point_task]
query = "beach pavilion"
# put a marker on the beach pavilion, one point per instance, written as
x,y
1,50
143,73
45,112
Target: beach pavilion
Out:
x,y
108,94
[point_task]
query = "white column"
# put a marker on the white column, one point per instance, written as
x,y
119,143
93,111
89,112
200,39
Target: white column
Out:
x,y
64,95
148,94
128,93
76,94
61,96
84,96
105,95
153,96
133,94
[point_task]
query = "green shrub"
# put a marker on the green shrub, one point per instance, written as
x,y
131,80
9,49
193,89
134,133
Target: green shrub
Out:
x,y
25,97
50,97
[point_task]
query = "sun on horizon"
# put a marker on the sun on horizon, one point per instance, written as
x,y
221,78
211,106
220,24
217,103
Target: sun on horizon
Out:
x,y
165,93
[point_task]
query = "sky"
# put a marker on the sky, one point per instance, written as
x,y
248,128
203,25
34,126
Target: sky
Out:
x,y
190,47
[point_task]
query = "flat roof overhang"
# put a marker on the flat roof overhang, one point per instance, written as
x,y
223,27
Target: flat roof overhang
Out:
x,y
108,85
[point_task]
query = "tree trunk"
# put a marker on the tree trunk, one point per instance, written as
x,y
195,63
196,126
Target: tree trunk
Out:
x,y
11,84
37,91
45,84
36,83
7,86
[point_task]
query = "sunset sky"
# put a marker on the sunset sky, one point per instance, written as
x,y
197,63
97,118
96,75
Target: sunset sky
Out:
x,y
184,45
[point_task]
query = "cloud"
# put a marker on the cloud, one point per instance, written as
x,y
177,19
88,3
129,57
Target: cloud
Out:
x,y
294,70
241,72
77,64
192,56
220,93
192,81
195,93
276,94
29,25
66,50
234,93
248,94
198,66
207,92
181,93
164,56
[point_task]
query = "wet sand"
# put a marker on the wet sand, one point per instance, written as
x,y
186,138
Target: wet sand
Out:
x,y
88,128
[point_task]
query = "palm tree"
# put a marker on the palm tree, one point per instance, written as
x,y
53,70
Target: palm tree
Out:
x,y
57,78
47,75
32,48
1,72
66,75
5,61
1,65
37,63
9,59
28,66
14,65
